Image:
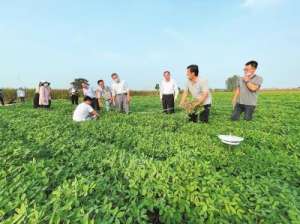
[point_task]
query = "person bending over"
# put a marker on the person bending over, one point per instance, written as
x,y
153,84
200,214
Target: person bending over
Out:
x,y
84,111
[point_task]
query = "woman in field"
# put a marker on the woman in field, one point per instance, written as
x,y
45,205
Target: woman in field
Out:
x,y
45,95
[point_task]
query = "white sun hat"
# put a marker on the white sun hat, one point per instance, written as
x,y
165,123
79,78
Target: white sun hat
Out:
x,y
230,139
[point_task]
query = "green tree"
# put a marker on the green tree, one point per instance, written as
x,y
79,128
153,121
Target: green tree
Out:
x,y
231,82
77,82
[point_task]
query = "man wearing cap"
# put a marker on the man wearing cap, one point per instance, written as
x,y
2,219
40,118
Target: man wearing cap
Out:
x,y
201,95
168,93
245,97
89,91
120,94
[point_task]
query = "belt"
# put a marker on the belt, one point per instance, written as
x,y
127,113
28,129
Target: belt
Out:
x,y
121,94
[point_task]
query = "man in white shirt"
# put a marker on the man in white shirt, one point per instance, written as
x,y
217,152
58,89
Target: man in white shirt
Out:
x,y
85,111
120,94
74,94
201,95
168,93
89,91
21,94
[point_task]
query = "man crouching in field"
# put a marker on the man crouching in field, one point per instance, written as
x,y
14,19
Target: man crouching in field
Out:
x,y
245,97
85,111
199,90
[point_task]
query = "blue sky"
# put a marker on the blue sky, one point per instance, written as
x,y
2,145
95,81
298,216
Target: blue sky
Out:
x,y
60,40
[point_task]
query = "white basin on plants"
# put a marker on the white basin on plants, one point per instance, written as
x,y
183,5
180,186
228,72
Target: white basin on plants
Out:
x,y
230,139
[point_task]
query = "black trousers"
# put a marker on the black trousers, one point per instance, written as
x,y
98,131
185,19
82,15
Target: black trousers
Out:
x,y
36,100
168,104
22,99
74,99
248,111
95,104
2,100
239,109
202,117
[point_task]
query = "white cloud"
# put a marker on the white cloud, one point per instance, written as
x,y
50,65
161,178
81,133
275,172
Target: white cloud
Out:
x,y
260,3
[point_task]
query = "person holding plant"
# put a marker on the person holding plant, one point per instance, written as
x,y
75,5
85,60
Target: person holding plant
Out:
x,y
168,93
104,95
245,96
85,111
199,108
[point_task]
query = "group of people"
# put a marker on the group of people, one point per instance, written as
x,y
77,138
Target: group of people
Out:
x,y
196,98
42,97
117,96
244,100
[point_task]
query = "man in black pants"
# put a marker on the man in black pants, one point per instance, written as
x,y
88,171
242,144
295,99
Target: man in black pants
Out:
x,y
199,90
168,93
1,97
245,97
74,94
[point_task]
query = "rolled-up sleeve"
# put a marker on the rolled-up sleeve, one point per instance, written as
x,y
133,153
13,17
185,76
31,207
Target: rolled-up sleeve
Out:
x,y
257,81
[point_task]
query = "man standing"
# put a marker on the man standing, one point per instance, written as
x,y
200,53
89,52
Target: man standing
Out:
x,y
74,94
85,111
21,94
245,97
103,92
88,91
201,95
168,93
120,94
1,97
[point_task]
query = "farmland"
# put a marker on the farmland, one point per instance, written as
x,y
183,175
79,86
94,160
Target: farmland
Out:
x,y
151,168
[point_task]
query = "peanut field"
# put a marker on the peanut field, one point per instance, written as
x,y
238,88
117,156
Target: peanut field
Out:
x,y
147,167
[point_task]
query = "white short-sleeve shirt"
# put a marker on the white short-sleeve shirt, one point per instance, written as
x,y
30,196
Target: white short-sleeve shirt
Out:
x,y
119,88
82,112
90,92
